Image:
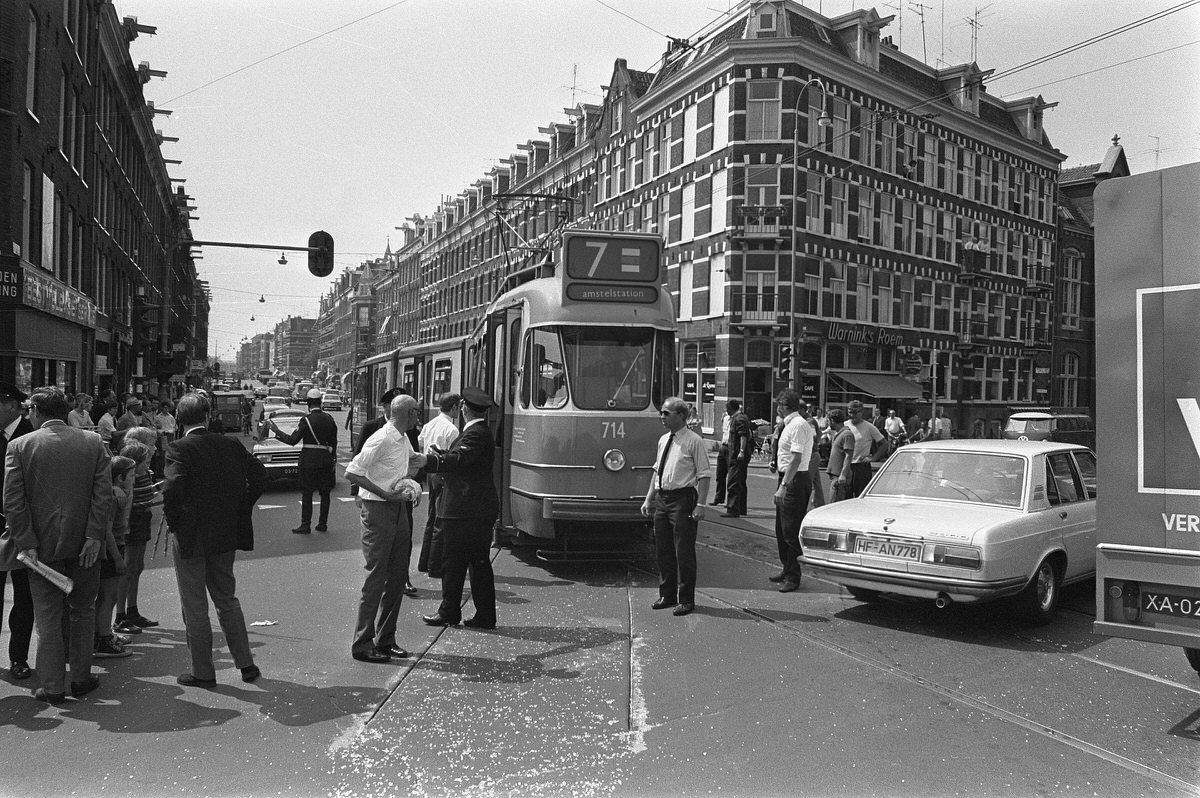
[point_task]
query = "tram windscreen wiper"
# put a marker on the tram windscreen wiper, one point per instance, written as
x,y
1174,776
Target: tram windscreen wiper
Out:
x,y
612,401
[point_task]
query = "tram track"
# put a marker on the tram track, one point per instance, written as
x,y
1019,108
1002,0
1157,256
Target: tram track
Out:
x,y
950,693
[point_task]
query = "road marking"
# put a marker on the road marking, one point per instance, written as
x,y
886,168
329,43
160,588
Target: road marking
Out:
x,y
272,506
345,498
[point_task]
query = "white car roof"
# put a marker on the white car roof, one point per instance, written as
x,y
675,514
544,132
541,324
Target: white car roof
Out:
x,y
993,446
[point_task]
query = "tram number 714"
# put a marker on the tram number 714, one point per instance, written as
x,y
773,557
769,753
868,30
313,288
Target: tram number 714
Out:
x,y
613,429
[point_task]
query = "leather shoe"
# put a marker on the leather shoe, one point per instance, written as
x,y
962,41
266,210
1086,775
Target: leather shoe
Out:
x,y
410,589
662,604
683,609
779,577
376,657
437,620
250,673
20,670
478,623
322,527
789,586
50,698
731,515
83,688
301,530
392,651
188,680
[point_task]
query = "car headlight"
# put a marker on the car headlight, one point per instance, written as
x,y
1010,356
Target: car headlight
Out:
x,y
614,459
959,556
832,539
263,458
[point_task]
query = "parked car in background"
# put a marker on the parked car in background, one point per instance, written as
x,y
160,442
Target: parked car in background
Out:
x,y
964,521
1051,425
331,400
281,460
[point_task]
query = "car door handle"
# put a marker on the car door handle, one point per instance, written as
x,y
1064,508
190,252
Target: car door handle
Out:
x,y
1062,514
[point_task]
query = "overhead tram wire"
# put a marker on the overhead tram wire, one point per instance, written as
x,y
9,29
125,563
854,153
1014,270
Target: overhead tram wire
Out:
x,y
1103,68
284,50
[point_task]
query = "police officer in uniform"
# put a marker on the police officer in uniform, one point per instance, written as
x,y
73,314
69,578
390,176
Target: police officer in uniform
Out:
x,y
317,433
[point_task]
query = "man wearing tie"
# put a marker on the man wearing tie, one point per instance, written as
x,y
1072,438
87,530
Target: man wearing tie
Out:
x,y
13,424
680,478
468,511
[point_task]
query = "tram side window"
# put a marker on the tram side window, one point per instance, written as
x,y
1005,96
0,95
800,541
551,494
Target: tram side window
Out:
x,y
442,369
546,380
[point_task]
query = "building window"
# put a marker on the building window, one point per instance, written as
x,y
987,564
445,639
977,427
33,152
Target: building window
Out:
x,y
887,221
760,295
928,230
888,144
815,202
762,185
28,214
903,306
833,291
881,297
866,214
1070,380
866,151
31,65
762,110
1072,289
841,127
703,205
908,226
817,136
840,192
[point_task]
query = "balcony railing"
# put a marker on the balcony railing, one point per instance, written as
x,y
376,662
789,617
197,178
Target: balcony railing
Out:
x,y
1039,280
973,262
754,307
756,222
969,334
1037,339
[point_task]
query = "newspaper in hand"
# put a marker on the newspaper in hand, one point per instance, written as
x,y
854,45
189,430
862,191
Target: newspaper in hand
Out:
x,y
409,489
60,581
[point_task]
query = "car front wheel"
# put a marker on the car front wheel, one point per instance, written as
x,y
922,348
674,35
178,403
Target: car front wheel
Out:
x,y
1193,658
1039,600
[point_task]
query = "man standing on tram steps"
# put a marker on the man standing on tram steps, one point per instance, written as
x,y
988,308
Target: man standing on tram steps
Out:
x,y
381,471
318,459
681,476
468,511
438,435
738,445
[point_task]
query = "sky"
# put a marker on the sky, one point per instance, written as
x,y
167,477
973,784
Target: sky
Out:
x,y
352,115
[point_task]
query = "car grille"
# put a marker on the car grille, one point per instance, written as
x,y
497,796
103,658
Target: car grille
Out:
x,y
284,457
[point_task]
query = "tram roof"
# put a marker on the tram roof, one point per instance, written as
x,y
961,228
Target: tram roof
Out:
x,y
544,298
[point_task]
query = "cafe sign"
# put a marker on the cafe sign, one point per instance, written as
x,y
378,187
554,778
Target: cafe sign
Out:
x,y
43,292
863,335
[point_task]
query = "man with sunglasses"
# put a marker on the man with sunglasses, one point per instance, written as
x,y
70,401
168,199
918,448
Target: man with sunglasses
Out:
x,y
680,478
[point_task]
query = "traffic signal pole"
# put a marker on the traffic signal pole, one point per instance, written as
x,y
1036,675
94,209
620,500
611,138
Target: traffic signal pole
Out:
x,y
319,249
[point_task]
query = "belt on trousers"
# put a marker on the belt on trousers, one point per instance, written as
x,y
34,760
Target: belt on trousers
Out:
x,y
676,491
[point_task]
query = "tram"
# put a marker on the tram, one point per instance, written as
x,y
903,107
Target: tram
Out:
x,y
578,363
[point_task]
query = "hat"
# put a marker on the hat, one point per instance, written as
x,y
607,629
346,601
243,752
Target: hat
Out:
x,y
10,391
313,393
133,404
477,399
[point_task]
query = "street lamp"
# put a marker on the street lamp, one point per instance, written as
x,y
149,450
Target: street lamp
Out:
x,y
823,122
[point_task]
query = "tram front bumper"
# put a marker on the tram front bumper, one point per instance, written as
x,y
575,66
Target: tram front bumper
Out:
x,y
605,510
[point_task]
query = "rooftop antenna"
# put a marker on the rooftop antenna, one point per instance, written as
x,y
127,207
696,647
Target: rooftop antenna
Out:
x,y
975,24
920,9
899,6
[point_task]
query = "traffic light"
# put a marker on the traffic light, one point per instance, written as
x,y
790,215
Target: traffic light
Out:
x,y
785,363
320,255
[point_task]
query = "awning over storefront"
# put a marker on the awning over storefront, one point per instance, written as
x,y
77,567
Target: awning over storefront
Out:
x,y
883,386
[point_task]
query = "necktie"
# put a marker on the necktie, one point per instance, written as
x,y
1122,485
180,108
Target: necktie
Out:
x,y
662,463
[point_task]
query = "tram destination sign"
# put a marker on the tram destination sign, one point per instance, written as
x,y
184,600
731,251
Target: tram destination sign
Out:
x,y
616,268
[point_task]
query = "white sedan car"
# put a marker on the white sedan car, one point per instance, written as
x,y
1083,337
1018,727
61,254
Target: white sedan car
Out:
x,y
964,521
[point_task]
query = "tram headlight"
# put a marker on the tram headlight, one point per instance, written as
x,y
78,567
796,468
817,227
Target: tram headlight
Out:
x,y
614,459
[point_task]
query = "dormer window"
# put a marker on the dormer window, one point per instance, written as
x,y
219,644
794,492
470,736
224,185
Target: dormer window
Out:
x,y
766,24
618,115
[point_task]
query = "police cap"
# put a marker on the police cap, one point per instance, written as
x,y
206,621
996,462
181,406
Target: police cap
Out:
x,y
10,391
313,393
477,399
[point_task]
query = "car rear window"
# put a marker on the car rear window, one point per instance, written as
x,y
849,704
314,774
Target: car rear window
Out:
x,y
961,476
1027,425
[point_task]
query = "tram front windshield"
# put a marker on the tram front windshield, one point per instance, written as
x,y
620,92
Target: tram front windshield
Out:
x,y
599,368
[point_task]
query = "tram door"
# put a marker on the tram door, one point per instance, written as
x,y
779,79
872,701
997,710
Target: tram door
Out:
x,y
500,362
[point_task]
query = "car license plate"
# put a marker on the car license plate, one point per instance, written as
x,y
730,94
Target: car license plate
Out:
x,y
1168,604
882,547
290,473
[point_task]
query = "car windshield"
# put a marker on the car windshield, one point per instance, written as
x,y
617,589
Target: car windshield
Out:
x,y
961,476
287,424
1027,425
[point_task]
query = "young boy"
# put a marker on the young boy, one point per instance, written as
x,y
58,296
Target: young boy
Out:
x,y
145,494
112,565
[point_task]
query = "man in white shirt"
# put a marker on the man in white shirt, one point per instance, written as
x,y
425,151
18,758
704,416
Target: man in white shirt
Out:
x,y
437,434
386,457
723,458
796,445
869,446
681,476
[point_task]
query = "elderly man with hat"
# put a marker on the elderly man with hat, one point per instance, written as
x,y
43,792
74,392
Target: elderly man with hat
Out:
x,y
132,416
869,445
317,433
468,509
13,424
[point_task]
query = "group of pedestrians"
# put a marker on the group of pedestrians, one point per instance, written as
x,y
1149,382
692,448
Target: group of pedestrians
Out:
x,y
76,524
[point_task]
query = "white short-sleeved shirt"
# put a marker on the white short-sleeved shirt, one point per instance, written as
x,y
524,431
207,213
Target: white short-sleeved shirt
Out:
x,y
795,441
440,432
383,460
865,434
687,461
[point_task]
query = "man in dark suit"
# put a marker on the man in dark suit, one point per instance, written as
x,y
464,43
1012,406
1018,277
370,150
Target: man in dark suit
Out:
x,y
317,433
13,424
468,508
57,499
211,484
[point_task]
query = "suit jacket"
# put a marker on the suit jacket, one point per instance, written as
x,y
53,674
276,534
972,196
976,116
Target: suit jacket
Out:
x,y
8,553
57,492
210,485
468,490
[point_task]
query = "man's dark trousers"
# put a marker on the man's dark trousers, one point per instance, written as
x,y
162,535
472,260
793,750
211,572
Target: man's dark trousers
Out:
x,y
320,481
722,473
20,618
430,559
735,492
467,542
789,512
675,544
